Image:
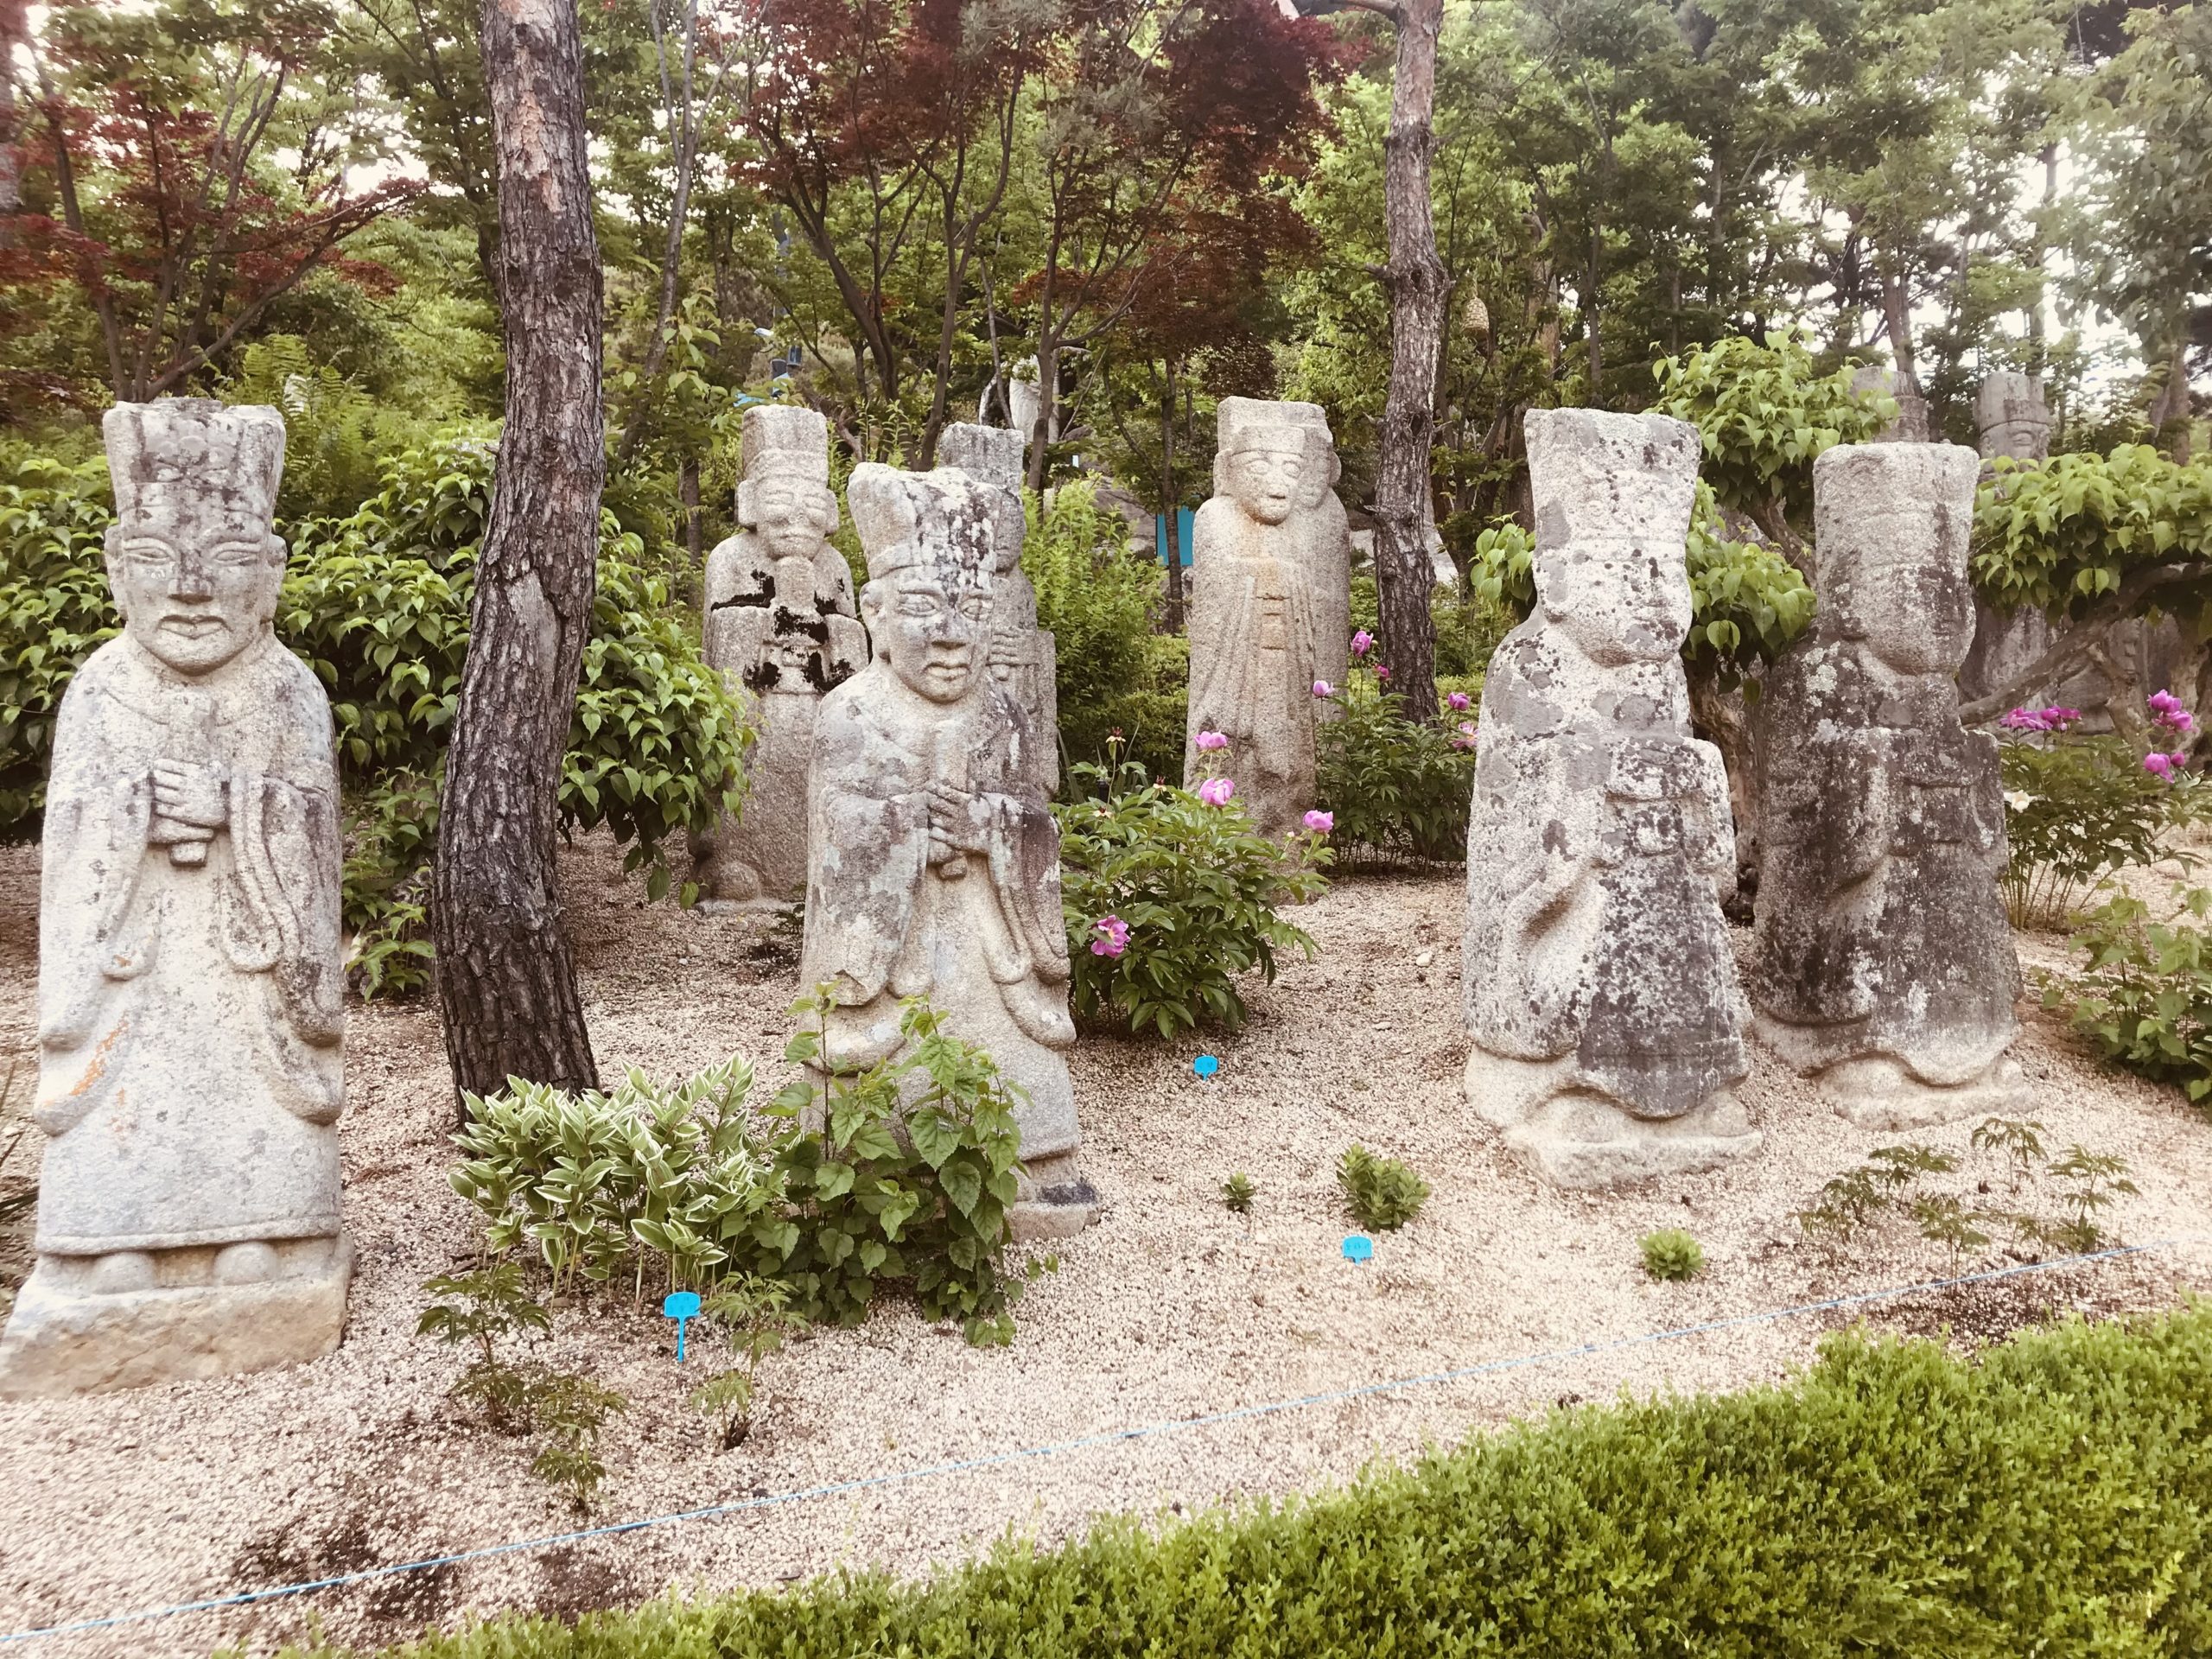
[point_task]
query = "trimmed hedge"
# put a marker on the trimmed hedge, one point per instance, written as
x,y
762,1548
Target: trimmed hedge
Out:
x,y
2054,1497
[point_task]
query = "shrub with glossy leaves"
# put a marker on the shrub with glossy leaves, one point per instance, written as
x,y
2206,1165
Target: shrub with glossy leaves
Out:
x,y
2065,533
1197,888
1382,1194
53,613
1396,788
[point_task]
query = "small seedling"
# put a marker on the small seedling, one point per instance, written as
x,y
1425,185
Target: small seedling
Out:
x,y
2097,1178
1671,1253
2020,1143
1382,1193
572,1409
1942,1219
757,1314
1237,1192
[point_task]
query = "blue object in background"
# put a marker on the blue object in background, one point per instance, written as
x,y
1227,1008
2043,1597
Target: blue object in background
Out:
x,y
1205,1066
681,1305
1358,1246
1184,520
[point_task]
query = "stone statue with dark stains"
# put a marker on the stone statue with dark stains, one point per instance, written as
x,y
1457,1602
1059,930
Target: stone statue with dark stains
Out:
x,y
190,999
1254,652
1325,550
781,628
934,864
1023,658
1885,969
1600,986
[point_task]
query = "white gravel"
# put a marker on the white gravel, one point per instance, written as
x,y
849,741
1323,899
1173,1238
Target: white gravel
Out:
x,y
1172,1307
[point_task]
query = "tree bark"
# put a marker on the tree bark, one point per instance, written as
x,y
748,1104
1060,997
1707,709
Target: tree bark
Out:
x,y
15,30
506,981
1416,280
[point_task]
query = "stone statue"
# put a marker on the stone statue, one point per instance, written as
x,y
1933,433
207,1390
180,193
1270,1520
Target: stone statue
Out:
x,y
1023,659
781,628
2010,416
1599,982
1885,966
1324,547
1255,653
934,864
191,1009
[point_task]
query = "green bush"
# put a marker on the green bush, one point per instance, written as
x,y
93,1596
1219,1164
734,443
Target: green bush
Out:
x,y
1396,788
2051,1496
1671,1253
2145,998
1382,1193
2064,533
1193,891
53,613
391,829
2077,808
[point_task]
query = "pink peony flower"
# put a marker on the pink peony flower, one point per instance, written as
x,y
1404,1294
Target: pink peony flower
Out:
x,y
2166,709
1215,791
1323,689
1465,739
1382,670
1320,822
1361,642
1457,702
1213,741
1114,937
2053,719
2164,766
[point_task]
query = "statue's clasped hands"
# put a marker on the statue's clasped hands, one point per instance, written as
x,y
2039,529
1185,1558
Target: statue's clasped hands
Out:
x,y
191,803
959,823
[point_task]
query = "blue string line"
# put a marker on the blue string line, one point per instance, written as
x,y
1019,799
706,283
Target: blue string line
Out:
x,y
1113,1437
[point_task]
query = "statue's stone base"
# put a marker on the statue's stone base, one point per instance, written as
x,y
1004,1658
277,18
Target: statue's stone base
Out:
x,y
1056,1201
1578,1139
1877,1091
63,1338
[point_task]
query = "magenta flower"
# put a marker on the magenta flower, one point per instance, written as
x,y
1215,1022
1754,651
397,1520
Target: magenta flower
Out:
x,y
1361,642
1457,702
1320,822
1213,741
1323,689
2166,709
1465,739
2164,766
2053,719
1114,937
1382,670
1215,791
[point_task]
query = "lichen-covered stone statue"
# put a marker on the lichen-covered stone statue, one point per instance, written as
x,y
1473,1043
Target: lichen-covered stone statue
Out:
x,y
1023,658
780,626
1324,547
1255,653
1600,986
190,1009
1885,967
934,864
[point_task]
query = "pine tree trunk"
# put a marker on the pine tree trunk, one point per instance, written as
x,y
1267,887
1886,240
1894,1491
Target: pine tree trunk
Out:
x,y
1416,282
506,981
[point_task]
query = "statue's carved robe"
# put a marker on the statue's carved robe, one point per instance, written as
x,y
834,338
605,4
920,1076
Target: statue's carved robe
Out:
x,y
1882,929
1598,829
1254,660
190,1010
988,945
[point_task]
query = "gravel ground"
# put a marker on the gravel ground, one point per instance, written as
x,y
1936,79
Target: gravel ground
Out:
x,y
1171,1308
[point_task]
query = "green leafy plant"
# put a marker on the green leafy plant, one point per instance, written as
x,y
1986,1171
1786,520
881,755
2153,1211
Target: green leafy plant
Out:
x,y
1238,1192
570,1410
2145,996
2094,1181
2019,1141
2080,534
2079,808
1396,788
1195,891
390,832
1671,1253
755,1315
1892,1181
53,613
1382,1193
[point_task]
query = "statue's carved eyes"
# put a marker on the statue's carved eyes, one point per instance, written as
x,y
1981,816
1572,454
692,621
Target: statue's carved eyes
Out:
x,y
151,554
922,605
971,607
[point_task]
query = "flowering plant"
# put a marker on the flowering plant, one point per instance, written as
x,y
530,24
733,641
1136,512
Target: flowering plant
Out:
x,y
1217,791
2053,719
1208,742
1399,788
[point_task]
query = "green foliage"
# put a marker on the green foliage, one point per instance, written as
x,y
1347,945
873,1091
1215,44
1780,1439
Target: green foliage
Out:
x,y
53,613
337,433
2065,533
1397,788
1893,1182
2144,997
2052,1495
1382,1193
1198,889
1237,1194
1671,1253
1764,412
391,831
571,1409
2076,809
755,1315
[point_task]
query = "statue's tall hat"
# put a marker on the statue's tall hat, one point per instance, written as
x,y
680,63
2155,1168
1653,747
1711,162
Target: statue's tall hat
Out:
x,y
941,520
193,461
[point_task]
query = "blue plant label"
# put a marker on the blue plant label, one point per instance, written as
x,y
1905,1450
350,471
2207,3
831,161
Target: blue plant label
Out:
x,y
1205,1066
1358,1246
681,1305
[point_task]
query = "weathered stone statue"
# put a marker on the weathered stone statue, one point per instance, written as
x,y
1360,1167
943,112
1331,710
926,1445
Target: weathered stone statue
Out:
x,y
190,993
781,628
934,864
2010,416
1255,654
1324,547
1885,966
1023,659
1600,985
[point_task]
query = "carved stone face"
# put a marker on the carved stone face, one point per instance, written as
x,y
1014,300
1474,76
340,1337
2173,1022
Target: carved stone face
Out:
x,y
1618,606
928,632
1914,612
193,596
786,515
1264,482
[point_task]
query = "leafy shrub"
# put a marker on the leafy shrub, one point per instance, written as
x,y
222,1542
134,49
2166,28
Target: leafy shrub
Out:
x,y
1396,788
2077,808
2145,998
1671,1253
1891,1180
1382,1193
53,613
391,828
1237,1194
908,1178
1195,889
2052,1495
2064,533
